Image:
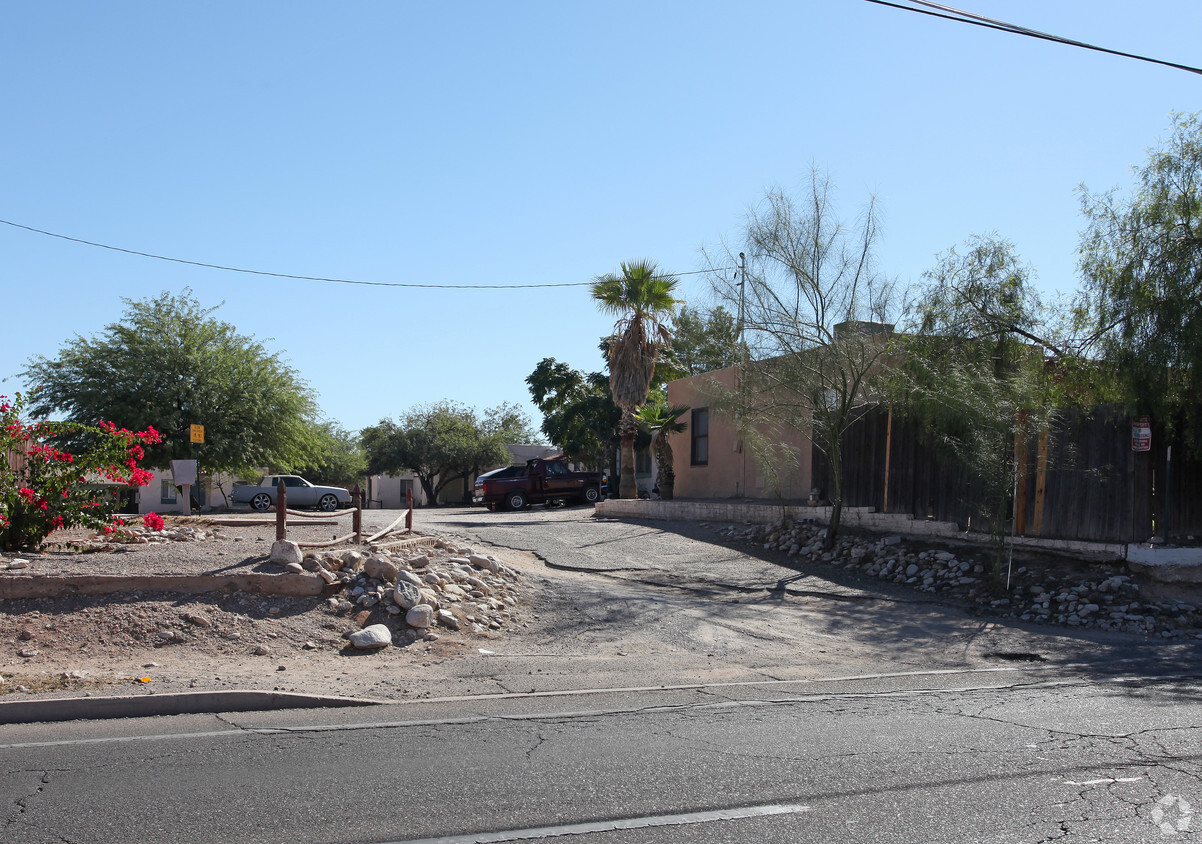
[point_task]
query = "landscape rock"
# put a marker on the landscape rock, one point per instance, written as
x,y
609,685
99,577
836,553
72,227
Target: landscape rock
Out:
x,y
405,595
375,636
380,568
408,577
285,551
421,615
1106,602
352,560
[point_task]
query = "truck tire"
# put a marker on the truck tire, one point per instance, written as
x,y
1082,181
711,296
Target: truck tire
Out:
x,y
516,500
591,495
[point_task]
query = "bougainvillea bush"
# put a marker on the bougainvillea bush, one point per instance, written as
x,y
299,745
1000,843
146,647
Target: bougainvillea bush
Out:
x,y
43,488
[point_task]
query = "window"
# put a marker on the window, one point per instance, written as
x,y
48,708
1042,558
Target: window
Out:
x,y
166,492
642,461
700,426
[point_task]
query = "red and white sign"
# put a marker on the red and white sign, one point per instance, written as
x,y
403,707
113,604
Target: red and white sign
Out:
x,y
1141,434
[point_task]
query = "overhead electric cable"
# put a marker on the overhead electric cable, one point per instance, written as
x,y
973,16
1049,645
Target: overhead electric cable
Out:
x,y
959,16
319,278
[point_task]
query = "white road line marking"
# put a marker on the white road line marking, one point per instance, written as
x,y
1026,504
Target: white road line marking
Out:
x,y
1104,781
611,826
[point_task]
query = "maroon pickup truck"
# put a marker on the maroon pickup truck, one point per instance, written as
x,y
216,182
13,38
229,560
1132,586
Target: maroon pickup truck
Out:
x,y
538,481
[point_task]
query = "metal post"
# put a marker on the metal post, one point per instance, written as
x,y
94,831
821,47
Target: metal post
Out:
x,y
281,511
1168,490
742,293
409,515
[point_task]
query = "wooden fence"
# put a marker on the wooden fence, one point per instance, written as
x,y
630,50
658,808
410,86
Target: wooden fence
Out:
x,y
1083,481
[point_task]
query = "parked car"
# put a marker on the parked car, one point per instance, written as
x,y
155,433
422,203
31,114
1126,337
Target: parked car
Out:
x,y
301,493
538,481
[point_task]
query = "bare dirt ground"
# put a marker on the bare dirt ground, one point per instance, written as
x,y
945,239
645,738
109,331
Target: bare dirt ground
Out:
x,y
152,642
560,629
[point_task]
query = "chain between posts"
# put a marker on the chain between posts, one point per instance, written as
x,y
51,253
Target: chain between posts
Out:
x,y
281,516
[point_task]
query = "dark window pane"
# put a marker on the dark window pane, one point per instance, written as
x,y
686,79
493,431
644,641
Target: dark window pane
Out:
x,y
700,426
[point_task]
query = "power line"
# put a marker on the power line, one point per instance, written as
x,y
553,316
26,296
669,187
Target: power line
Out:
x,y
952,14
318,278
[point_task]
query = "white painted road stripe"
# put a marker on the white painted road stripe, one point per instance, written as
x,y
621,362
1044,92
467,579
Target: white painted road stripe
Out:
x,y
1106,781
610,826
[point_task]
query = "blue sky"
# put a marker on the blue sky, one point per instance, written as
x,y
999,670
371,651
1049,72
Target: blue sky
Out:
x,y
527,143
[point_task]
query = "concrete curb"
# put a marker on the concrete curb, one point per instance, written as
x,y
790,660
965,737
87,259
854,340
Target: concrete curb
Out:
x,y
184,703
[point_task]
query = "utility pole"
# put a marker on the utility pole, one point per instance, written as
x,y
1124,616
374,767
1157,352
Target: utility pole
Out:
x,y
742,293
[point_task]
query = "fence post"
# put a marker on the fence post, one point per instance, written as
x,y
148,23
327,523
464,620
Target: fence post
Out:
x,y
281,511
357,518
409,515
1020,473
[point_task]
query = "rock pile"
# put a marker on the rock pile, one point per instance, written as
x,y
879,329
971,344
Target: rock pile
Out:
x,y
141,535
411,593
1104,603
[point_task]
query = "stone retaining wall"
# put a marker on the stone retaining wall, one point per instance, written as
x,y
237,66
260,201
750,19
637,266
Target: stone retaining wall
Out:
x,y
864,518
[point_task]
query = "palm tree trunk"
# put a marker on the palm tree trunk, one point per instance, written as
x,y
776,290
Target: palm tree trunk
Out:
x,y
666,477
627,485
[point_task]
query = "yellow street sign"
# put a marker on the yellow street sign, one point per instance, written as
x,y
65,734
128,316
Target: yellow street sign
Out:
x,y
198,433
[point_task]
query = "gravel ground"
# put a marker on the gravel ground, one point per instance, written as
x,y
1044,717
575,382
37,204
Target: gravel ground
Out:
x,y
155,642
655,609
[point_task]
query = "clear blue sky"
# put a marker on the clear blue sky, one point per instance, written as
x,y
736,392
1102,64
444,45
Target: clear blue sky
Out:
x,y
526,143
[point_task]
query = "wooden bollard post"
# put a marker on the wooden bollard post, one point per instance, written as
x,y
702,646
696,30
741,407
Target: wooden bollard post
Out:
x,y
409,515
357,518
281,511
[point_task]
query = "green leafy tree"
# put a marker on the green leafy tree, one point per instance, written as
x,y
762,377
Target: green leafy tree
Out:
x,y
661,420
814,310
512,424
579,415
703,341
1141,260
439,443
641,297
970,370
339,459
170,364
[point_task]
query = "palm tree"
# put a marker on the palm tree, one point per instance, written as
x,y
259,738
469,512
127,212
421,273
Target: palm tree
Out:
x,y
641,298
661,419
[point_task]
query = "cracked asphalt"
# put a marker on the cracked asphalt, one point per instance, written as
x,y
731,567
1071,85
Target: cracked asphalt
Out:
x,y
687,693
999,756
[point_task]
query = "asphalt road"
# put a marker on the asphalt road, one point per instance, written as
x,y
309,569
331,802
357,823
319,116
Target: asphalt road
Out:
x,y
1004,755
695,694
